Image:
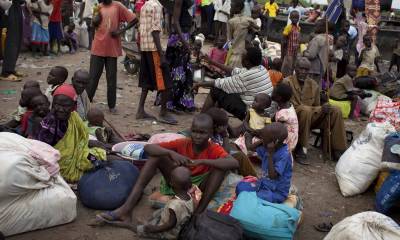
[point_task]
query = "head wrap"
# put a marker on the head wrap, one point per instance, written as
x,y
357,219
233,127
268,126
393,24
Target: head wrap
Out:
x,y
66,90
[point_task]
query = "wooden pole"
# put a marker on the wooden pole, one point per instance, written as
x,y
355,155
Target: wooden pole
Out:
x,y
114,129
327,82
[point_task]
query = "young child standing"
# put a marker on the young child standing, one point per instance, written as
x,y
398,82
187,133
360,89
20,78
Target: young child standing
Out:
x,y
368,58
55,26
41,10
290,44
286,113
276,165
239,27
57,77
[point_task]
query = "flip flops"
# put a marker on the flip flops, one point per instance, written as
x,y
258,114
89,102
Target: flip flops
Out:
x,y
11,78
323,227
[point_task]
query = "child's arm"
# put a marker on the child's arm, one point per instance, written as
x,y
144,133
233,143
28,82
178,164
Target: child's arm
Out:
x,y
253,146
376,62
271,168
100,136
246,124
170,224
226,163
361,57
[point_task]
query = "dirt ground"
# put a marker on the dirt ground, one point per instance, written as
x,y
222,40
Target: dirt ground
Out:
x,y
316,183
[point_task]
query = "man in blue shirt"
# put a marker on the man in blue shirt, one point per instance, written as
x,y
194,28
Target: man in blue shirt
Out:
x,y
274,184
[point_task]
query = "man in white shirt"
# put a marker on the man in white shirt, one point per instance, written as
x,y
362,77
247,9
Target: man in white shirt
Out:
x,y
86,14
237,92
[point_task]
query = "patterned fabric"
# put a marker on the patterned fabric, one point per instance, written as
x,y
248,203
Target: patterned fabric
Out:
x,y
293,34
373,12
52,130
151,16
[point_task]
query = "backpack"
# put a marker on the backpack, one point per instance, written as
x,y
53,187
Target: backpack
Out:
x,y
211,225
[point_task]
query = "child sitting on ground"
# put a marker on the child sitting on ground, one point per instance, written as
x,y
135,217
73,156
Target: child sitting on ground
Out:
x,y
26,98
167,222
71,38
369,57
255,119
344,90
30,89
40,106
57,77
217,54
97,131
286,113
274,185
274,72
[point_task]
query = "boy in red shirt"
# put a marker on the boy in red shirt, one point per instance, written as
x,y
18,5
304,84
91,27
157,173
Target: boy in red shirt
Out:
x,y
207,161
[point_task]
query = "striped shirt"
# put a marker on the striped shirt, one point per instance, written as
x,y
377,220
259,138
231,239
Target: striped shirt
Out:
x,y
247,82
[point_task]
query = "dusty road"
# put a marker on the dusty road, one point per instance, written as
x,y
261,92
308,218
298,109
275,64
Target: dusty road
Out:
x,y
317,183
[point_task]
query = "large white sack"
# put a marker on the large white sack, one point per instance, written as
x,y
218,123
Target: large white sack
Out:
x,y
365,226
30,198
358,167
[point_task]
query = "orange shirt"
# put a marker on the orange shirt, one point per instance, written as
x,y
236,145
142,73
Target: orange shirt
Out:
x,y
184,147
275,77
112,15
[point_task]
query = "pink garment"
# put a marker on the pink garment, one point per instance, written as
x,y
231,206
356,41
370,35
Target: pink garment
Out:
x,y
218,55
288,117
46,155
164,137
104,45
241,143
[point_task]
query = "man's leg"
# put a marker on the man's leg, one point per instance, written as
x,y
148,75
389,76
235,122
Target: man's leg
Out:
x,y
95,71
111,76
164,164
338,132
208,103
209,187
304,116
90,31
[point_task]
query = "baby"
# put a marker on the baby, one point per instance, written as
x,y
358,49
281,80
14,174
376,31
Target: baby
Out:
x,y
255,119
57,76
97,131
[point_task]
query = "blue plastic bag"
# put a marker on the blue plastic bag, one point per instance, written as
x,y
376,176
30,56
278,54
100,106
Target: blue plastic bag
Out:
x,y
264,220
107,186
389,193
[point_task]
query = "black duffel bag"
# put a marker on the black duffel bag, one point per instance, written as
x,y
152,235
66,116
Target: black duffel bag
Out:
x,y
210,225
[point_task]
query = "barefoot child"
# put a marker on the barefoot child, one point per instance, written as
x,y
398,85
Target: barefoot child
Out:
x,y
290,44
369,57
208,163
96,128
57,76
71,38
276,165
255,120
286,113
80,81
41,10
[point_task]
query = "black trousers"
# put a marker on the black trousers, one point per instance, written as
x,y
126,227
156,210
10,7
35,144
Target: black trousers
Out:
x,y
13,39
97,65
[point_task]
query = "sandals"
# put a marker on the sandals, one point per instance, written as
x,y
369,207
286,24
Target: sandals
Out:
x,y
323,227
11,78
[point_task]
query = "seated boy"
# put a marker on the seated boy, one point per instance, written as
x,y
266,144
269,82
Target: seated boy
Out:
x,y
57,76
276,165
207,161
344,90
275,73
80,80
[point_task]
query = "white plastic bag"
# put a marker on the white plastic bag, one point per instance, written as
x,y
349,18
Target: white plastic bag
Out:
x,y
30,198
365,226
83,35
360,164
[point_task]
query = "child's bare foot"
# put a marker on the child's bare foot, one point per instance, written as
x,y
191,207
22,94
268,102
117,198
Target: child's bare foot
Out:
x,y
114,217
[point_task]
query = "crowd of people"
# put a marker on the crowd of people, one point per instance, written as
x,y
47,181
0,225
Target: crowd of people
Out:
x,y
279,100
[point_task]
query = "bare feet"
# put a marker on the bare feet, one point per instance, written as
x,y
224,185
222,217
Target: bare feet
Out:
x,y
168,119
145,116
114,216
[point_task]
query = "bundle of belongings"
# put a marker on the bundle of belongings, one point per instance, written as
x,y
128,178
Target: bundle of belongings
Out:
x,y
374,153
365,225
29,177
